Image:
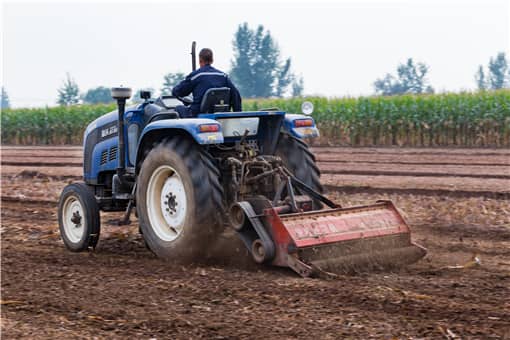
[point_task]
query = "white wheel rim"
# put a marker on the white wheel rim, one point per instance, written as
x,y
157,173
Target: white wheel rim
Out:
x,y
166,203
73,219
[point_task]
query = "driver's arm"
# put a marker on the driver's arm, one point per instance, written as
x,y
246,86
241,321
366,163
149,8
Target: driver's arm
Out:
x,y
184,88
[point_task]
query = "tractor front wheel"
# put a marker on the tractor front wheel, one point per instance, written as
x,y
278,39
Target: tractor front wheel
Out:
x,y
78,217
179,200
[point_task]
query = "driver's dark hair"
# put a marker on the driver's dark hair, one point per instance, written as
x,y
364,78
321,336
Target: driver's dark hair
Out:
x,y
206,55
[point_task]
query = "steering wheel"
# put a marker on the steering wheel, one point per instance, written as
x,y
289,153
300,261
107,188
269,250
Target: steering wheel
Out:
x,y
186,100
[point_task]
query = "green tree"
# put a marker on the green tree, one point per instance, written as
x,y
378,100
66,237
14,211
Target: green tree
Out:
x,y
98,95
257,69
498,68
298,87
411,78
481,82
170,80
69,93
5,99
284,79
496,76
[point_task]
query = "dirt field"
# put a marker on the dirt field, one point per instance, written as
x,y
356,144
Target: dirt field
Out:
x,y
456,201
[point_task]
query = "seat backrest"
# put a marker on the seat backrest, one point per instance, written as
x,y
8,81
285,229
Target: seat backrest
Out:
x,y
215,100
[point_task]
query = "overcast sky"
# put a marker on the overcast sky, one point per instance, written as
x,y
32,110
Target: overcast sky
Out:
x,y
339,48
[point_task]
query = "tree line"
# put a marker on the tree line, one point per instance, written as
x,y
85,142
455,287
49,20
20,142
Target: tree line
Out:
x,y
259,71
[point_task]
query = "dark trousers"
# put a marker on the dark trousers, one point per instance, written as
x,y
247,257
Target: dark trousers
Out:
x,y
184,111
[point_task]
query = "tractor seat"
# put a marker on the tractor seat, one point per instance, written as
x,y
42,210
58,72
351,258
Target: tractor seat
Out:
x,y
216,100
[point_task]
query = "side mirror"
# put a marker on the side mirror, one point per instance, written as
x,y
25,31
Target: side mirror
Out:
x,y
145,95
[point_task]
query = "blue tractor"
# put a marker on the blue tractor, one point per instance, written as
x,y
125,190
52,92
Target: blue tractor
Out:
x,y
253,172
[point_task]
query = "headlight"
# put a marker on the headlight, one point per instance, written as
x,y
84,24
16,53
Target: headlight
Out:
x,y
307,108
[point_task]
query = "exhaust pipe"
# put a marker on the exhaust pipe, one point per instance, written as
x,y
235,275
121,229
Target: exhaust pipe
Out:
x,y
193,56
121,94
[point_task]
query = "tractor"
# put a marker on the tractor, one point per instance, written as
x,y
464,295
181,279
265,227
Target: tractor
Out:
x,y
188,179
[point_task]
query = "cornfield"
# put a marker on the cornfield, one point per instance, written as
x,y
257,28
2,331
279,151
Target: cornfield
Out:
x,y
55,125
464,119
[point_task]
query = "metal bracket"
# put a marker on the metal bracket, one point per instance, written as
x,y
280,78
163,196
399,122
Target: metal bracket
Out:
x,y
279,192
290,191
126,219
260,232
312,193
306,270
299,267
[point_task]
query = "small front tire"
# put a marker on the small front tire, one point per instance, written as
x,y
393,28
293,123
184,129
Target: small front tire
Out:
x,y
78,217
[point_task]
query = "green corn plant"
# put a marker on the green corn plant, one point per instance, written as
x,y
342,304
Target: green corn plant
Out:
x,y
447,119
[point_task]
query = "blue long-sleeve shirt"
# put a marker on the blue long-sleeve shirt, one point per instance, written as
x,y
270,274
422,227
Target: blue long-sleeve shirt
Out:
x,y
202,79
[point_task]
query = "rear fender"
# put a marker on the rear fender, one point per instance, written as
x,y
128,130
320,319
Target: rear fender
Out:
x,y
163,129
289,126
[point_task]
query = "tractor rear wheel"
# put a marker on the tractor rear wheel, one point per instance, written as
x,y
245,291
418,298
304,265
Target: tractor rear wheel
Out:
x,y
298,158
179,200
78,217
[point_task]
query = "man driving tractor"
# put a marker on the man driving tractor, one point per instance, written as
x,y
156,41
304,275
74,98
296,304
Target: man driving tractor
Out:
x,y
199,81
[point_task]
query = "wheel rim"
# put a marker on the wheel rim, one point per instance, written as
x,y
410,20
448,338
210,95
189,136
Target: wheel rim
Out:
x,y
166,203
73,219
258,252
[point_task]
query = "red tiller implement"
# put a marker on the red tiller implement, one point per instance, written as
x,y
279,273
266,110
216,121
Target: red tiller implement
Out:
x,y
332,240
349,239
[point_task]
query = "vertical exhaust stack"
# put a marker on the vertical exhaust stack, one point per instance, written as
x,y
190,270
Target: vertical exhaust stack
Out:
x,y
121,94
193,56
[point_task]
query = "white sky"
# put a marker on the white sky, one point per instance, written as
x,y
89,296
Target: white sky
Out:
x,y
339,48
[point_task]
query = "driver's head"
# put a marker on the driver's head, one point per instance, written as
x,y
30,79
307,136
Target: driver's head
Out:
x,y
205,57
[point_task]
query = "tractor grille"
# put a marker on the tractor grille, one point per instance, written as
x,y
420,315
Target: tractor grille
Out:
x,y
113,153
104,157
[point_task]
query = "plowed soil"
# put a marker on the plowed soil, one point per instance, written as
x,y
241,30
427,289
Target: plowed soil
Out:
x,y
461,289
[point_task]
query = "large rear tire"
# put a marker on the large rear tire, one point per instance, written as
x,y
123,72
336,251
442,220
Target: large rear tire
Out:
x,y
78,217
298,158
179,200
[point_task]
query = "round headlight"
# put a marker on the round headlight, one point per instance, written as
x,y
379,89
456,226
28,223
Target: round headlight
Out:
x,y
307,108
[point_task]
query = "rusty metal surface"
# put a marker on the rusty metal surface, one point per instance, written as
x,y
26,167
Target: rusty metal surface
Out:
x,y
384,252
335,225
375,259
299,266
340,240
